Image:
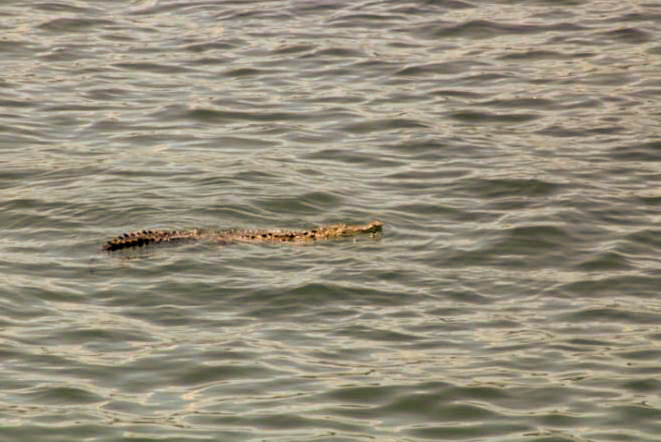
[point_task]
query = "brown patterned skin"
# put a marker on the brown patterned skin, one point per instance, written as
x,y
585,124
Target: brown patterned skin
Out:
x,y
332,231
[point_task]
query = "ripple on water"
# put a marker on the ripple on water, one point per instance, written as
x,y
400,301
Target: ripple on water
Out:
x,y
510,151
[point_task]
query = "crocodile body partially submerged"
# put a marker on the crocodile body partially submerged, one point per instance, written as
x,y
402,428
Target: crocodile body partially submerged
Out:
x,y
332,231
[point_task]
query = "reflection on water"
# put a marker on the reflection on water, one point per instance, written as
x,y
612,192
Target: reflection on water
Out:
x,y
511,151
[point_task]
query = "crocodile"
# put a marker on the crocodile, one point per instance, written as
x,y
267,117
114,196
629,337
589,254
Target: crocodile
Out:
x,y
331,231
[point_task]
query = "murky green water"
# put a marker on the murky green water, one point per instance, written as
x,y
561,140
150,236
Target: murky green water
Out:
x,y
512,150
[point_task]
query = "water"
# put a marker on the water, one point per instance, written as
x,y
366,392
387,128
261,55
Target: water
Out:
x,y
511,148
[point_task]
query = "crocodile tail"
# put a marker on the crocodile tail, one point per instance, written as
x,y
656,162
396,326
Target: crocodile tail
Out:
x,y
137,239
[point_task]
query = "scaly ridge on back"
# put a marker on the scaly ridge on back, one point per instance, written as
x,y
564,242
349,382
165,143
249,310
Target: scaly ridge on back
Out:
x,y
332,231
137,239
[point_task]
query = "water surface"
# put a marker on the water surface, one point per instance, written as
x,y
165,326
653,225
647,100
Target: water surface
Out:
x,y
511,148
